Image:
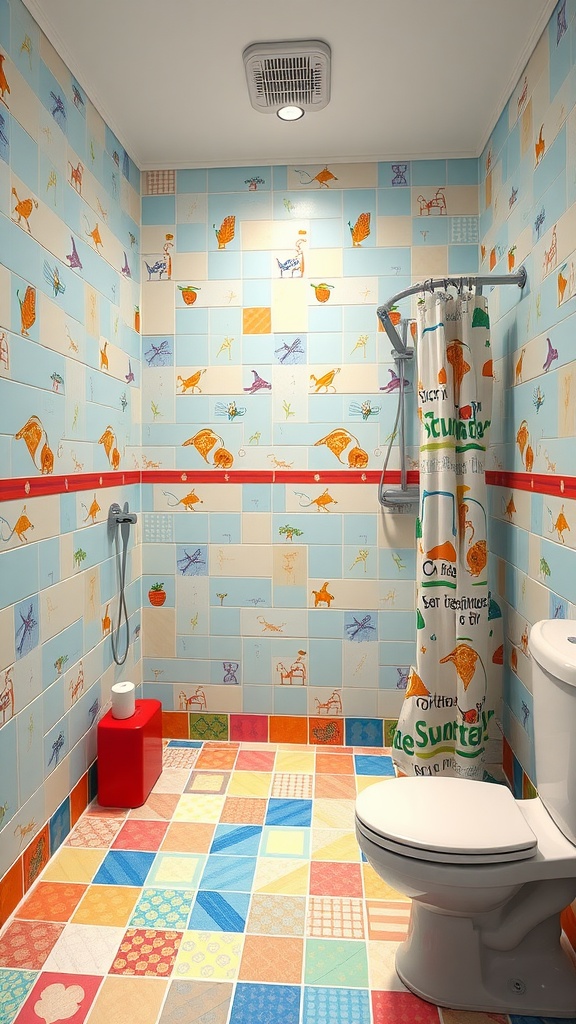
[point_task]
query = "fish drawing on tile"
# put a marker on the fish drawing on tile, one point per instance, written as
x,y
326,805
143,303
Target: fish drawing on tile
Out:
x,y
7,695
36,440
188,501
20,528
23,209
323,177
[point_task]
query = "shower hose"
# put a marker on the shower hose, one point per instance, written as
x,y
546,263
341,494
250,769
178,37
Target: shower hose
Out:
x,y
122,609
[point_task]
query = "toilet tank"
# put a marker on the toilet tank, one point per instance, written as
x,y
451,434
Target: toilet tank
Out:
x,y
552,645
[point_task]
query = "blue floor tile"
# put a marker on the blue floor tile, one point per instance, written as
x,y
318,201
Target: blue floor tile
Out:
x,y
124,867
14,987
374,764
289,812
264,1004
239,839
233,874
214,911
185,743
336,1005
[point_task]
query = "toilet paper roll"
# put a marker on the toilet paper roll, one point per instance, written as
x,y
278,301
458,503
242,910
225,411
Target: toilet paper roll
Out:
x,y
123,700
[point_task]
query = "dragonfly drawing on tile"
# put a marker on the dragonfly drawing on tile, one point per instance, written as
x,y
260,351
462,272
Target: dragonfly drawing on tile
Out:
x,y
56,748
360,629
159,355
290,354
187,565
27,629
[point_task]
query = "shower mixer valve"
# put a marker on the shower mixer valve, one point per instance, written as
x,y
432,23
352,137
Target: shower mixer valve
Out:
x,y
118,516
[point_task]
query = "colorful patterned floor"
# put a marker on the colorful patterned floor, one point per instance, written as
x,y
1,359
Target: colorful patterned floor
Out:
x,y
235,895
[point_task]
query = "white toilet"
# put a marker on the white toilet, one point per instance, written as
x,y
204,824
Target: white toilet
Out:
x,y
488,874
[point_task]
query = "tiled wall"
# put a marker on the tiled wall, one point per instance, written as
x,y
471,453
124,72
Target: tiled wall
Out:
x,y
528,215
268,399
69,411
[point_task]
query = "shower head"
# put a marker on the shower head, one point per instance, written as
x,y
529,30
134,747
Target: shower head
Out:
x,y
400,344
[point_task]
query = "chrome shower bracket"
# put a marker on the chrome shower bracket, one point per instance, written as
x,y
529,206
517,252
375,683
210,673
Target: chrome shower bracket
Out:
x,y
117,517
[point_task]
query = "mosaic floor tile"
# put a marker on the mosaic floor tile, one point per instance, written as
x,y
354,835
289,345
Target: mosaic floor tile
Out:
x,y
199,807
71,864
140,835
382,970
147,952
179,758
387,920
334,814
244,810
14,988
272,958
372,764
334,764
277,915
158,807
250,784
143,996
255,760
292,784
124,867
208,727
233,874
375,888
336,962
336,1005
85,949
330,879
278,875
51,901
217,757
27,944
259,1003
240,839
59,997
280,841
107,904
225,912
334,844
176,870
93,831
295,761
195,837
335,918
96,810
336,787
402,1008
172,780
207,782
207,955
162,908
197,1002
289,812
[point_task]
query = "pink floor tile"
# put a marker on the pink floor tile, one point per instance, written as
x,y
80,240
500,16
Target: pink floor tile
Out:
x,y
335,879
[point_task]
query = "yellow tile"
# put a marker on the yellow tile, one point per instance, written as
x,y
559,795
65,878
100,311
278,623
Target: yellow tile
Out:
x,y
281,876
209,955
249,784
128,1001
333,813
73,865
327,844
287,843
175,870
364,781
295,761
110,905
375,888
207,783
197,807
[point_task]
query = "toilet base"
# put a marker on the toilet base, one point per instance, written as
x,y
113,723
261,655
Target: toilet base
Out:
x,y
444,961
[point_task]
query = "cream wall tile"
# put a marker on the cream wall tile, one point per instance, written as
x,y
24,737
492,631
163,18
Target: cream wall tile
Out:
x,y
567,403
358,175
60,606
394,231
30,814
511,506
273,622
429,261
223,699
362,703
289,387
256,235
318,695
285,234
96,125
28,683
91,311
130,200
290,305
390,703
237,560
350,594
324,264
54,62
7,648
193,603
152,240
57,786
290,566
257,528
192,208
396,531
190,266
158,632
212,497
42,515
397,595
279,457
5,294
92,600
24,104
360,669
215,380
158,316
219,293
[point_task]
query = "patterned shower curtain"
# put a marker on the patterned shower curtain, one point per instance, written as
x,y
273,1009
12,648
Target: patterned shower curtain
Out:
x,y
454,689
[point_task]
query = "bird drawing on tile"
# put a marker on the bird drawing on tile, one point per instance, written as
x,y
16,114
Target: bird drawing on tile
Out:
x,y
258,384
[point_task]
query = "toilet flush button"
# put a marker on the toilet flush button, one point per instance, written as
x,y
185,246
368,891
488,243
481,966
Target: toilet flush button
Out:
x,y
571,639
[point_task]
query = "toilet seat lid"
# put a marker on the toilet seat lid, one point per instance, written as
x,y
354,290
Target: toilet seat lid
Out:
x,y
447,816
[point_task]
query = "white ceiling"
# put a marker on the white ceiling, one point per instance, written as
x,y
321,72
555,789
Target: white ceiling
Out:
x,y
410,78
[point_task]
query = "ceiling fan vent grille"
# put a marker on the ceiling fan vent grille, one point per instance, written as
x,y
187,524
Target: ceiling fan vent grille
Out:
x,y
283,74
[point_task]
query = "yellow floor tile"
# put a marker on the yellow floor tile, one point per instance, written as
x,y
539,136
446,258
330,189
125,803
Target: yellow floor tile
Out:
x,y
129,1001
329,813
72,864
363,781
209,955
107,904
250,784
331,844
199,807
375,888
289,877
295,761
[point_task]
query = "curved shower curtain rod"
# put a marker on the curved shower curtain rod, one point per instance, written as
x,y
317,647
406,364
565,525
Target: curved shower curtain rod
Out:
x,y
442,282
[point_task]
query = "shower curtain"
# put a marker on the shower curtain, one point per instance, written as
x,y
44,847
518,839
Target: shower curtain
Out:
x,y
454,689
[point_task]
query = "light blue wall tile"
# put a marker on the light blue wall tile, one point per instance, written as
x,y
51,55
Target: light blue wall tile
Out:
x,y
159,210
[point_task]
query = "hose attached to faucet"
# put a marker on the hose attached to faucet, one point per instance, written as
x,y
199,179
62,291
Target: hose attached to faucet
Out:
x,y
124,521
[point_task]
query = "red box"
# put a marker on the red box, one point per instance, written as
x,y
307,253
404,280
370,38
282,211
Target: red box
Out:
x,y
129,755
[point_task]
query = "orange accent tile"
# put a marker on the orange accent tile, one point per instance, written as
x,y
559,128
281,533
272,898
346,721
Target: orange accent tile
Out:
x,y
288,729
109,905
125,1000
216,757
36,856
11,891
78,799
255,760
175,725
272,958
52,901
28,944
387,921
147,952
339,787
158,807
334,764
568,922
194,837
140,835
326,731
328,878
244,810
257,320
